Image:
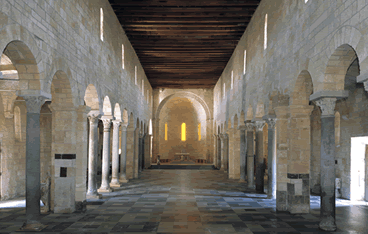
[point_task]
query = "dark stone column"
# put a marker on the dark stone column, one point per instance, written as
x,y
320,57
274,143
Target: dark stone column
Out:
x,y
115,155
140,153
92,154
33,183
219,156
259,156
271,193
250,155
328,206
243,153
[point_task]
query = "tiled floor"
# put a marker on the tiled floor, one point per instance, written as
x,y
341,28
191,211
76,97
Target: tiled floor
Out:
x,y
188,201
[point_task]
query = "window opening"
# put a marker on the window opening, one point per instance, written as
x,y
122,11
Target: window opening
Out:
x,y
101,24
224,90
199,132
122,56
183,132
265,33
135,75
165,131
245,61
232,79
17,124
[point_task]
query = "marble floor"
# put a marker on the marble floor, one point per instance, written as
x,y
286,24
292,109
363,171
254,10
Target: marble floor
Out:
x,y
188,201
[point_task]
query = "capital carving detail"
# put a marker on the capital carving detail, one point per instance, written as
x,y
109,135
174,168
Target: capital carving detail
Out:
x,y
249,126
116,124
327,105
34,103
366,85
93,119
271,123
106,124
259,125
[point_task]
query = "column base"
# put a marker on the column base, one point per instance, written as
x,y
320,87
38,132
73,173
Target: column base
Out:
x,y
123,181
103,190
32,227
242,181
115,185
94,196
328,224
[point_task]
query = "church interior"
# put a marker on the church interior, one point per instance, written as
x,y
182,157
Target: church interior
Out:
x,y
183,116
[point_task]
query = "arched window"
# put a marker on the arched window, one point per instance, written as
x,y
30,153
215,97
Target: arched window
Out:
x,y
223,95
143,87
337,128
17,124
122,56
165,131
245,62
306,1
183,132
232,79
199,132
265,33
135,75
101,24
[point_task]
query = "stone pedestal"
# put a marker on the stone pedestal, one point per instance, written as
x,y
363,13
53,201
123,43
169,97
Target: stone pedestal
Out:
x,y
115,155
250,155
123,178
260,167
243,153
105,186
93,118
65,171
328,206
271,193
34,101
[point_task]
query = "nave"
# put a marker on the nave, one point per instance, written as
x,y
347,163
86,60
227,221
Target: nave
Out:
x,y
188,201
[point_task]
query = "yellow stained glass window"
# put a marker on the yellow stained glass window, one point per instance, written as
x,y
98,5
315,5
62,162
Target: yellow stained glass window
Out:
x,y
183,132
165,131
199,132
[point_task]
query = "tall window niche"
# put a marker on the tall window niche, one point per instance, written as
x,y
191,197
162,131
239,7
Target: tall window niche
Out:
x,y
122,56
265,32
224,90
101,25
17,124
183,132
232,79
166,131
20,120
245,62
199,132
337,128
135,75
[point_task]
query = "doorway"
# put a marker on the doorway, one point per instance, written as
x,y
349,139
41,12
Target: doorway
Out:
x,y
358,168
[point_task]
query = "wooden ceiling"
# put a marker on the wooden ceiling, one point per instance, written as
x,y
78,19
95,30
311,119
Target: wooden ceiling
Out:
x,y
184,43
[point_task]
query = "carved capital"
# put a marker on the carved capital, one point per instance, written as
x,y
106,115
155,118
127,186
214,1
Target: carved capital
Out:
x,y
327,106
124,126
116,124
366,85
106,124
249,126
34,103
223,136
93,117
259,125
242,127
271,123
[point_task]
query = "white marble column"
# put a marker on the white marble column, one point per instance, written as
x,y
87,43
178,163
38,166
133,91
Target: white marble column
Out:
x,y
93,118
271,193
115,155
33,183
123,178
105,186
328,206
250,155
259,156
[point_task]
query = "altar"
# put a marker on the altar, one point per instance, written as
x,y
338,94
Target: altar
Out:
x,y
182,156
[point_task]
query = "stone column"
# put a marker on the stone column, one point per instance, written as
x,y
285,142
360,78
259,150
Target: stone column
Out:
x,y
130,156
224,152
33,183
92,154
147,143
219,156
271,193
115,155
136,154
243,153
105,186
282,148
328,205
123,178
259,156
250,154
